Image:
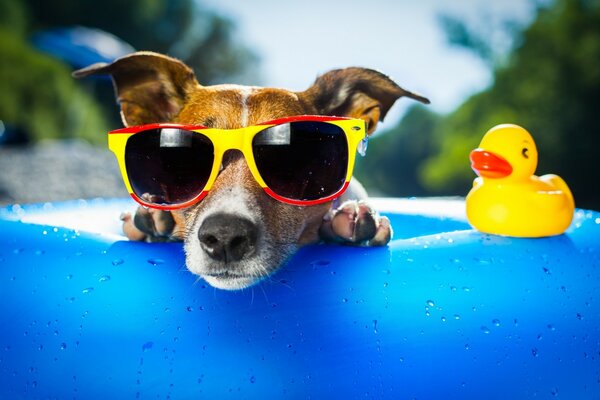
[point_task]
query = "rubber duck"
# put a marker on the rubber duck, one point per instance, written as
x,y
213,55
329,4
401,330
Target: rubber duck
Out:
x,y
507,198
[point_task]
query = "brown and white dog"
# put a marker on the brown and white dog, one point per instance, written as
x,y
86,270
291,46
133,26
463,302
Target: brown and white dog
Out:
x,y
251,234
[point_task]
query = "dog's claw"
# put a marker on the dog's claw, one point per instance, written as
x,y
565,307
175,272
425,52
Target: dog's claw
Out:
x,y
355,222
149,225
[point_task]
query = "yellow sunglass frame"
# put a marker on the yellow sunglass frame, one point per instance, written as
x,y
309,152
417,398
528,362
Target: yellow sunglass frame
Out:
x,y
241,139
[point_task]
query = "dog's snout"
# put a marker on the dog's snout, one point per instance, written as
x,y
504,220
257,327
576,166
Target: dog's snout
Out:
x,y
227,237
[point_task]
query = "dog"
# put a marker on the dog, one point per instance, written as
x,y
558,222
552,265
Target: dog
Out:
x,y
238,235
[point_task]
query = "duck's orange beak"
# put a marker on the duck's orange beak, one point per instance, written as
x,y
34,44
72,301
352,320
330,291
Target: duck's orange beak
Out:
x,y
489,165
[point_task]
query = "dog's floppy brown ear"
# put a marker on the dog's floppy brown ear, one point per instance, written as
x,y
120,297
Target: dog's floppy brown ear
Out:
x,y
358,93
150,87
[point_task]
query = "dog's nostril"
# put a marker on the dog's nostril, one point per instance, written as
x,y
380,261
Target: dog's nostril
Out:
x,y
226,237
209,240
237,241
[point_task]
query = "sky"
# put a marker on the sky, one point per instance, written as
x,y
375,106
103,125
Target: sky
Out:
x,y
299,40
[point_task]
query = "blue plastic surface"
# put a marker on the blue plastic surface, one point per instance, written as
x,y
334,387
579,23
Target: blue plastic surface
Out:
x,y
443,312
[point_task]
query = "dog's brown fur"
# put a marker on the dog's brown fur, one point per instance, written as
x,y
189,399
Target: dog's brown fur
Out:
x,y
155,88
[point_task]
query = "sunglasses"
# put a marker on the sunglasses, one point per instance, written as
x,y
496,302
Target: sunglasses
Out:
x,y
303,160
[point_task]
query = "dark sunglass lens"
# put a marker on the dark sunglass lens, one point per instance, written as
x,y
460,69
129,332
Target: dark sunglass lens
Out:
x,y
304,160
168,166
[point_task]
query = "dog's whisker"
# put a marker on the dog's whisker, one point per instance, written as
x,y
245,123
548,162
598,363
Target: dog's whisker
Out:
x,y
265,294
197,280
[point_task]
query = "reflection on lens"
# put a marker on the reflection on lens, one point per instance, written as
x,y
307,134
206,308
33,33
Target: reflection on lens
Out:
x,y
168,166
304,160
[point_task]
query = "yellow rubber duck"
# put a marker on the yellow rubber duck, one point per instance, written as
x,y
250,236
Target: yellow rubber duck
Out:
x,y
507,198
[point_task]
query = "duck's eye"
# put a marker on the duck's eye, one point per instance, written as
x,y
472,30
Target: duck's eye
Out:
x,y
524,152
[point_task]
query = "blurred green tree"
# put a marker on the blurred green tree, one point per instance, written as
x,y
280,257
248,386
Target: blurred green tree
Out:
x,y
184,29
549,83
38,95
37,92
392,158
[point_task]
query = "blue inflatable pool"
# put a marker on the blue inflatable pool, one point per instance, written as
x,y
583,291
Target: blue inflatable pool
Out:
x,y
443,312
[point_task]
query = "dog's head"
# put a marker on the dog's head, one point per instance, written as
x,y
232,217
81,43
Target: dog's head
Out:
x,y
238,235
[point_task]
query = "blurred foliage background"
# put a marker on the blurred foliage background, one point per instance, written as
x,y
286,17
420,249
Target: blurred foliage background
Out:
x,y
548,81
38,94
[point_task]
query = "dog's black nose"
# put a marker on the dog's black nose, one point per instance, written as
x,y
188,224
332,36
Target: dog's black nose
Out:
x,y
227,237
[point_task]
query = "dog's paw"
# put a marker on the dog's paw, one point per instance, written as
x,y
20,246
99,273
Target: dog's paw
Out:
x,y
150,225
355,222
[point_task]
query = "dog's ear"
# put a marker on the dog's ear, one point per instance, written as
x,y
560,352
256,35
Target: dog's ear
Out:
x,y
357,93
150,87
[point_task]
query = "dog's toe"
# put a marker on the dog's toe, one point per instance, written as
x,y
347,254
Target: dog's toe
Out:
x,y
129,228
149,225
356,223
383,235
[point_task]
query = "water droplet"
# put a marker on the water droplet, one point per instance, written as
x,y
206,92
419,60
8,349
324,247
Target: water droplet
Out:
x,y
539,337
534,351
344,300
375,326
321,263
252,379
516,322
39,252
579,316
485,329
55,230
104,278
147,346
430,303
554,391
466,289
156,261
189,308
456,316
117,261
443,319
453,288
63,346
496,322
70,276
467,346
551,327
87,290
597,221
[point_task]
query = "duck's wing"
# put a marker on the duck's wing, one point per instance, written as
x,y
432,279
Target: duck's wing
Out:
x,y
559,183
